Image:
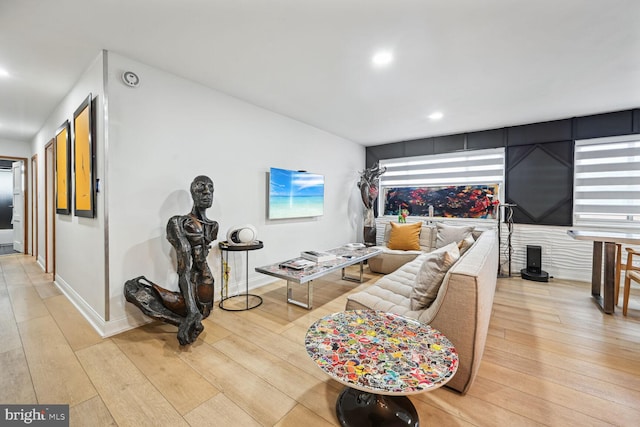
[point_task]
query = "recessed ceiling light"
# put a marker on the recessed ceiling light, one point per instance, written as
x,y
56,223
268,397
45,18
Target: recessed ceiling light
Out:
x,y
3,72
382,58
436,116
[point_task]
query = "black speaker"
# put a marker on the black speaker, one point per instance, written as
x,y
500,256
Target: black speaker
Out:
x,y
534,265
534,259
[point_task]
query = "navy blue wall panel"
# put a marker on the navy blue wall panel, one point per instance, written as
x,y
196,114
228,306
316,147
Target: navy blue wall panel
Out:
x,y
493,138
600,125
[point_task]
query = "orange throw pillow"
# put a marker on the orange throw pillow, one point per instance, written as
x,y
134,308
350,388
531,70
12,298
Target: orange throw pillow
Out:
x,y
405,237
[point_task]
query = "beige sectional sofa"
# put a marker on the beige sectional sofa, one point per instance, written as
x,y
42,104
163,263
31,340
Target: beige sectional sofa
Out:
x,y
462,307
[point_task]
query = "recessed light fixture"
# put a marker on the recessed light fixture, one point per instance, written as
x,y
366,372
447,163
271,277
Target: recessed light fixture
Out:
x,y
4,73
382,58
436,116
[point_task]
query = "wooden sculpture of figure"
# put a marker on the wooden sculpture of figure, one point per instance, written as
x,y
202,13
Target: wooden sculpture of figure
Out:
x,y
368,186
191,235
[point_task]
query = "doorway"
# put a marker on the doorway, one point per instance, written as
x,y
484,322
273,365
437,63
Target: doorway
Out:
x,y
34,206
49,210
13,205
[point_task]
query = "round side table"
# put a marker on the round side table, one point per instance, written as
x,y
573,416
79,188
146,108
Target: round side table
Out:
x,y
381,358
251,300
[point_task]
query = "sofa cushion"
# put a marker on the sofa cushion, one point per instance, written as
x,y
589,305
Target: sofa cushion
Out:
x,y
451,233
430,275
405,236
390,293
466,243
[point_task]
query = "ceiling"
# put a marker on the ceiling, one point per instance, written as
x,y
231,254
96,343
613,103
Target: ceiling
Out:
x,y
483,64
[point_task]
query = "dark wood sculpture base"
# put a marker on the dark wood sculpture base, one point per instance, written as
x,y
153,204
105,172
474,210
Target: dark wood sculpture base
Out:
x,y
356,408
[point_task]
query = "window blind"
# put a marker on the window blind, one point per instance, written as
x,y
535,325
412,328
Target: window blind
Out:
x,y
607,182
477,167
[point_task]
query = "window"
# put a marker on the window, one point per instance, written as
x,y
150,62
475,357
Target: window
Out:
x,y
607,182
461,184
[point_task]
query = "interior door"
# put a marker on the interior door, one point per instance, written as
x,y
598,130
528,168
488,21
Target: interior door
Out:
x,y
34,206
49,207
18,208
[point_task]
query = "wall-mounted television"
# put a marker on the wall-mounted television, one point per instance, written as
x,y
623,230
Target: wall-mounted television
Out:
x,y
295,194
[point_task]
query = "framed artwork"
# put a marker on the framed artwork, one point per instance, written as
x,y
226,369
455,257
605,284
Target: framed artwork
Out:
x,y
83,160
62,153
461,201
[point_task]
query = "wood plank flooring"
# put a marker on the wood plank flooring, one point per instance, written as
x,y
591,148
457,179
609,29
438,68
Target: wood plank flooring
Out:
x,y
552,358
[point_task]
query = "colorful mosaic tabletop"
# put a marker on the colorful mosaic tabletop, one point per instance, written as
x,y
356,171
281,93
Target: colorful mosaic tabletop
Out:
x,y
381,352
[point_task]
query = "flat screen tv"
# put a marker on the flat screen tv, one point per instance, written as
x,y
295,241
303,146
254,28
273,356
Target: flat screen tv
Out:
x,y
295,194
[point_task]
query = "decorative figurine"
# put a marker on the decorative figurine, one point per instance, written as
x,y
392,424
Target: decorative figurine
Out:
x,y
368,186
191,235
402,217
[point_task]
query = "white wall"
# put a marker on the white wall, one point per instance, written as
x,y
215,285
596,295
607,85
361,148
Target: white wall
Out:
x,y
15,149
169,130
80,270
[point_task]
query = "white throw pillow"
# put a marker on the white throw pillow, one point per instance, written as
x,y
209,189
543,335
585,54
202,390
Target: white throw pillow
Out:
x,y
430,276
466,243
451,233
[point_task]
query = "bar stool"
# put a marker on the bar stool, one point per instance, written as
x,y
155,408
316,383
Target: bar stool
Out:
x,y
633,273
619,267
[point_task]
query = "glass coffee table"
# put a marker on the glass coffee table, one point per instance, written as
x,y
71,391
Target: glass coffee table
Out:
x,y
381,358
344,258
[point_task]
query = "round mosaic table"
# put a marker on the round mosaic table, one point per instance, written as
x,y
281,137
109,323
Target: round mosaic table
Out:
x,y
381,358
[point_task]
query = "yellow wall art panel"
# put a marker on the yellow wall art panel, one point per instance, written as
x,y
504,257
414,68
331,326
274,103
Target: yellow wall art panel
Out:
x,y
63,170
84,200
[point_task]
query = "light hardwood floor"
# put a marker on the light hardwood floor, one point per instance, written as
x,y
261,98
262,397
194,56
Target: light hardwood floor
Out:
x,y
552,358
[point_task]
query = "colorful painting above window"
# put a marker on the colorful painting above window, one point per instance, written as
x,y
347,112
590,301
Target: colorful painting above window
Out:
x,y
462,201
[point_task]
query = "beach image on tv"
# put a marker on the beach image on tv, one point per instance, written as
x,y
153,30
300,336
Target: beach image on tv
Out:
x,y
295,194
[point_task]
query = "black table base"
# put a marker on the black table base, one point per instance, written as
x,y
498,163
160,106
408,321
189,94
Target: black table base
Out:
x,y
356,408
257,301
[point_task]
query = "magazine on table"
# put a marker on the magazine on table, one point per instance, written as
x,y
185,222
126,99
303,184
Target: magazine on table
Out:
x,y
317,256
297,264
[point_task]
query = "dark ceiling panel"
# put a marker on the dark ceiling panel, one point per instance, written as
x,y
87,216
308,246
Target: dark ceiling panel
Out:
x,y
418,147
536,133
449,143
493,138
601,125
386,151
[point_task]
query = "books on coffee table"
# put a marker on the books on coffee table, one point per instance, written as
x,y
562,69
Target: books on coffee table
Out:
x,y
354,246
297,264
317,256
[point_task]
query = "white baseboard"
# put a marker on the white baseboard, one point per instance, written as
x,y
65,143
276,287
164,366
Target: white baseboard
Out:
x,y
40,261
131,320
94,319
103,328
115,327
